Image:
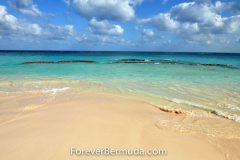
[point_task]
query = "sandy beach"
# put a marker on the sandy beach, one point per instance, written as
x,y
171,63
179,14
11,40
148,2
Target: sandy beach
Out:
x,y
96,121
120,80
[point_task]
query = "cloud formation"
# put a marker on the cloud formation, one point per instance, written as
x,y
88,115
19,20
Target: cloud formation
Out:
x,y
103,27
162,21
197,20
10,25
148,32
12,28
102,31
56,32
106,9
102,40
194,23
26,7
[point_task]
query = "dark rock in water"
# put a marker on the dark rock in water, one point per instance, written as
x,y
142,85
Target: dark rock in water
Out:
x,y
63,61
210,64
173,62
37,62
76,61
131,61
220,65
145,61
165,61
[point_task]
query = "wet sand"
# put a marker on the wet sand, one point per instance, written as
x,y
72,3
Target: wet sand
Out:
x,y
47,129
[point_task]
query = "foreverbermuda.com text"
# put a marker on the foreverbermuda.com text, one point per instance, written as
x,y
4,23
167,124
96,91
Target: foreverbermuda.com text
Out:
x,y
117,152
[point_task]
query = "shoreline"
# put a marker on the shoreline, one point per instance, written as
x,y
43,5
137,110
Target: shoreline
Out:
x,y
54,85
48,89
92,120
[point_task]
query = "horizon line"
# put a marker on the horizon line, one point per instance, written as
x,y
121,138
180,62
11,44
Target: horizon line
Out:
x,y
114,51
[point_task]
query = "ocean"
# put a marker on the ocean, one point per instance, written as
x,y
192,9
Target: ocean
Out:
x,y
208,82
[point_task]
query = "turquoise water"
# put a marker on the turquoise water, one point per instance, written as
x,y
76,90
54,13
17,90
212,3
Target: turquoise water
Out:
x,y
205,87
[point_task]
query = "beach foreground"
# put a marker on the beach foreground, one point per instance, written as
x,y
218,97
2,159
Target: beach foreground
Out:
x,y
92,121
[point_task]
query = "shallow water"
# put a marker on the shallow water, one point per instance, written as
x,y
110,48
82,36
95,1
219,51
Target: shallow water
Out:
x,y
207,88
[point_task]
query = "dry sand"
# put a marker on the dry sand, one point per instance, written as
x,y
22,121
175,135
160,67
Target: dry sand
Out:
x,y
91,121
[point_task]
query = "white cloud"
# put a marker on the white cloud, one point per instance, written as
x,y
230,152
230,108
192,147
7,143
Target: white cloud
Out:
x,y
55,32
232,24
162,21
106,9
148,32
200,21
135,2
11,27
103,27
192,12
190,27
210,21
102,40
26,7
7,21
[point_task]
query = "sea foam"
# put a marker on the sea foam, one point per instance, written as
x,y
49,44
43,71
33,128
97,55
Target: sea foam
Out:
x,y
56,90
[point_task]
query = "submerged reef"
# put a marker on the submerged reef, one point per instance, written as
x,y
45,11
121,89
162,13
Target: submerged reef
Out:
x,y
172,62
63,61
140,61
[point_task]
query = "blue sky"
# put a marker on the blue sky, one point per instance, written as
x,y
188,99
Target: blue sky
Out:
x,y
136,25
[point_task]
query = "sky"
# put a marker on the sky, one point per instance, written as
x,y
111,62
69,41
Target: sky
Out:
x,y
121,25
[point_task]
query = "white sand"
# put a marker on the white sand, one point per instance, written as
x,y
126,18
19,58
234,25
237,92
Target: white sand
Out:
x,y
92,121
